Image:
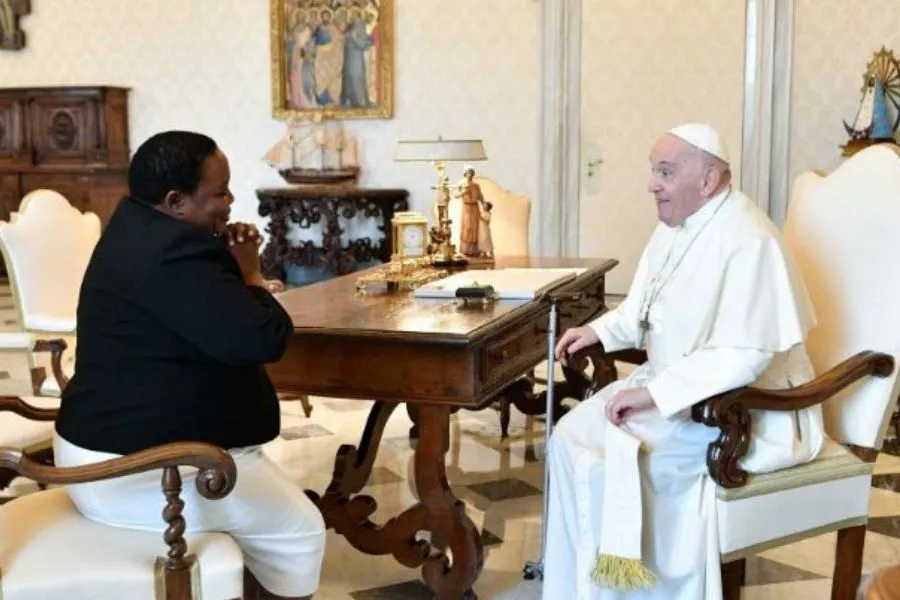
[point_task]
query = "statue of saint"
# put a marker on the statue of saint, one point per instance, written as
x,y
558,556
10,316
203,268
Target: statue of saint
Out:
x,y
474,232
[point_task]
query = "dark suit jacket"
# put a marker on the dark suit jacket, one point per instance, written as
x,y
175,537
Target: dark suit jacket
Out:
x,y
171,342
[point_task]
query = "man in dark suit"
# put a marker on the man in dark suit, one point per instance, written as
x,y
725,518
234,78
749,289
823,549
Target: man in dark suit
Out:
x,y
175,325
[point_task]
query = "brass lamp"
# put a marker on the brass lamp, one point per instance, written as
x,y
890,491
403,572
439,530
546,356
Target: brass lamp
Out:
x,y
439,152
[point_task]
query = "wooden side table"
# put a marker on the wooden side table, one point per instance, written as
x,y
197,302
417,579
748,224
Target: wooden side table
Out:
x,y
306,206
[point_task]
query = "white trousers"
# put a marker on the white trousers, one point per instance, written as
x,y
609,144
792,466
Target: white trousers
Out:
x,y
675,534
280,531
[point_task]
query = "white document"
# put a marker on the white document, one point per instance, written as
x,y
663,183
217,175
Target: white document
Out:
x,y
508,284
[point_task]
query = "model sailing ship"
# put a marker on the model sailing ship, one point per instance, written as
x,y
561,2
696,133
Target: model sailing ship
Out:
x,y
315,153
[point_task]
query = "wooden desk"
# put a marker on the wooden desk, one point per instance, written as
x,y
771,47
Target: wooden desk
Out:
x,y
438,356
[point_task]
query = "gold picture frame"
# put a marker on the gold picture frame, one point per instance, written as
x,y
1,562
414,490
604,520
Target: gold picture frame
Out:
x,y
326,29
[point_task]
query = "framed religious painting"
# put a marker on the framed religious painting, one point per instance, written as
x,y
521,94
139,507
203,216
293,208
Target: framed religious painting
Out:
x,y
332,59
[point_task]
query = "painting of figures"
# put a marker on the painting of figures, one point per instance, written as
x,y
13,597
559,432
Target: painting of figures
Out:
x,y
332,58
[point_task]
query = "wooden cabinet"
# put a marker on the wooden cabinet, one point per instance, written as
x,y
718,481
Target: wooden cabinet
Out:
x,y
70,139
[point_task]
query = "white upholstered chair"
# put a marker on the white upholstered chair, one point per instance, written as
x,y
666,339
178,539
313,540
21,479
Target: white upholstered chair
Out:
x,y
49,551
46,249
842,231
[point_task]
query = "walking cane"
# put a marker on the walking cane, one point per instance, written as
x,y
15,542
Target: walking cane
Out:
x,y
536,568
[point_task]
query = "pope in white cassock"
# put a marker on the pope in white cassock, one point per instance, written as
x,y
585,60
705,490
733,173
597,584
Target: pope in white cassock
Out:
x,y
717,303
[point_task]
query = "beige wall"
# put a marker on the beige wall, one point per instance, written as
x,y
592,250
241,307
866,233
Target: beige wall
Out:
x,y
204,65
647,67
833,42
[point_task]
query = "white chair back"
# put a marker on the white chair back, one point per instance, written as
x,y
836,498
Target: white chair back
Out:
x,y
844,231
46,251
510,217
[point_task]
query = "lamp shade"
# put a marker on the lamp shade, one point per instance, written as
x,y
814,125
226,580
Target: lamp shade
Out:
x,y
439,150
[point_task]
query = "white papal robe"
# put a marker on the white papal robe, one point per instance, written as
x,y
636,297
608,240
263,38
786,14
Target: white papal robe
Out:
x,y
732,310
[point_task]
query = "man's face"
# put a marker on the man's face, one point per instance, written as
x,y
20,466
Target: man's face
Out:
x,y
676,179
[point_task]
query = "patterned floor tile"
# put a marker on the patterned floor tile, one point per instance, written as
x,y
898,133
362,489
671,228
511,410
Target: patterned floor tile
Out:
x,y
887,481
408,590
889,526
762,571
489,539
304,431
382,476
504,489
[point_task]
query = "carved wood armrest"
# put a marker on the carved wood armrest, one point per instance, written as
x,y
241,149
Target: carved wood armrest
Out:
x,y
215,479
24,409
55,347
730,411
632,356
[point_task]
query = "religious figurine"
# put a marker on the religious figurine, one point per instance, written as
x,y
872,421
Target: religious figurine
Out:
x,y
11,37
474,230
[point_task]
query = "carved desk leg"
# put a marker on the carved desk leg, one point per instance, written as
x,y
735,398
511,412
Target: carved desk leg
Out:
x,y
438,510
445,514
576,385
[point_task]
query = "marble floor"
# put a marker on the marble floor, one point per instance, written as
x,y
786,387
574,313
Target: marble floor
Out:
x,y
501,482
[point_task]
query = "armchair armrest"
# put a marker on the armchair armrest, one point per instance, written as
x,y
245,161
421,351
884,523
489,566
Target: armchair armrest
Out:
x,y
55,347
216,478
632,356
730,411
24,409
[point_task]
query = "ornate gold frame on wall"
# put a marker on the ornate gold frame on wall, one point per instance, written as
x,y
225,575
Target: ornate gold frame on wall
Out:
x,y
384,109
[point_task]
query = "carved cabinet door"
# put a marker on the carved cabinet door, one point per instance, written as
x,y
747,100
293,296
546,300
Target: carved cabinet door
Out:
x,y
10,195
14,151
64,129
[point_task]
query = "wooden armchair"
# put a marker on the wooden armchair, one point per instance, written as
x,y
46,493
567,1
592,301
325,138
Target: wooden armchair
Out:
x,y
49,551
46,248
842,231
29,427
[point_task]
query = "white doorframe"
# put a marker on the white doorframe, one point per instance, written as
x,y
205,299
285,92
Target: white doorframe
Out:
x,y
765,151
554,226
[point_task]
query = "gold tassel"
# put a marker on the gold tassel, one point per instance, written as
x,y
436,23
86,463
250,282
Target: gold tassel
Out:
x,y
622,573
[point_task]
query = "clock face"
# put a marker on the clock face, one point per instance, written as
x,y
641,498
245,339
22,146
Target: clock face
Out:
x,y
413,241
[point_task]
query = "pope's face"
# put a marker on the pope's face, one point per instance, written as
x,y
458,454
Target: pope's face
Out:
x,y
676,179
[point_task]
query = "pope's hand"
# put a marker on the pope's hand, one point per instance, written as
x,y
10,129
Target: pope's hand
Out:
x,y
627,402
574,340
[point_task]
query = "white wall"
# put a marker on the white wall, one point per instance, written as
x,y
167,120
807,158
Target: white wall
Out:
x,y
464,68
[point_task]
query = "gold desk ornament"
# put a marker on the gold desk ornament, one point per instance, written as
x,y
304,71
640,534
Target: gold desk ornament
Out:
x,y
410,265
439,152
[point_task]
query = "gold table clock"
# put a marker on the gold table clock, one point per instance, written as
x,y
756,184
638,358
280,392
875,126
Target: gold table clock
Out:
x,y
409,236
410,264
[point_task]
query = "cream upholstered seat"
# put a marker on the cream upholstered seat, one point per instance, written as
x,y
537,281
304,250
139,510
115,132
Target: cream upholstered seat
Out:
x,y
46,248
49,551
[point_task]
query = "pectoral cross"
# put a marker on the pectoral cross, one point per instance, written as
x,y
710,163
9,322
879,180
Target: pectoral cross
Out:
x,y
644,329
11,36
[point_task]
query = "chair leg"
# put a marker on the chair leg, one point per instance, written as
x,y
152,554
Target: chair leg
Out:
x,y
307,407
504,418
848,558
733,578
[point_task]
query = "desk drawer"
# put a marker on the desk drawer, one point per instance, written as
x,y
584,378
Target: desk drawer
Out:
x,y
515,352
521,347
